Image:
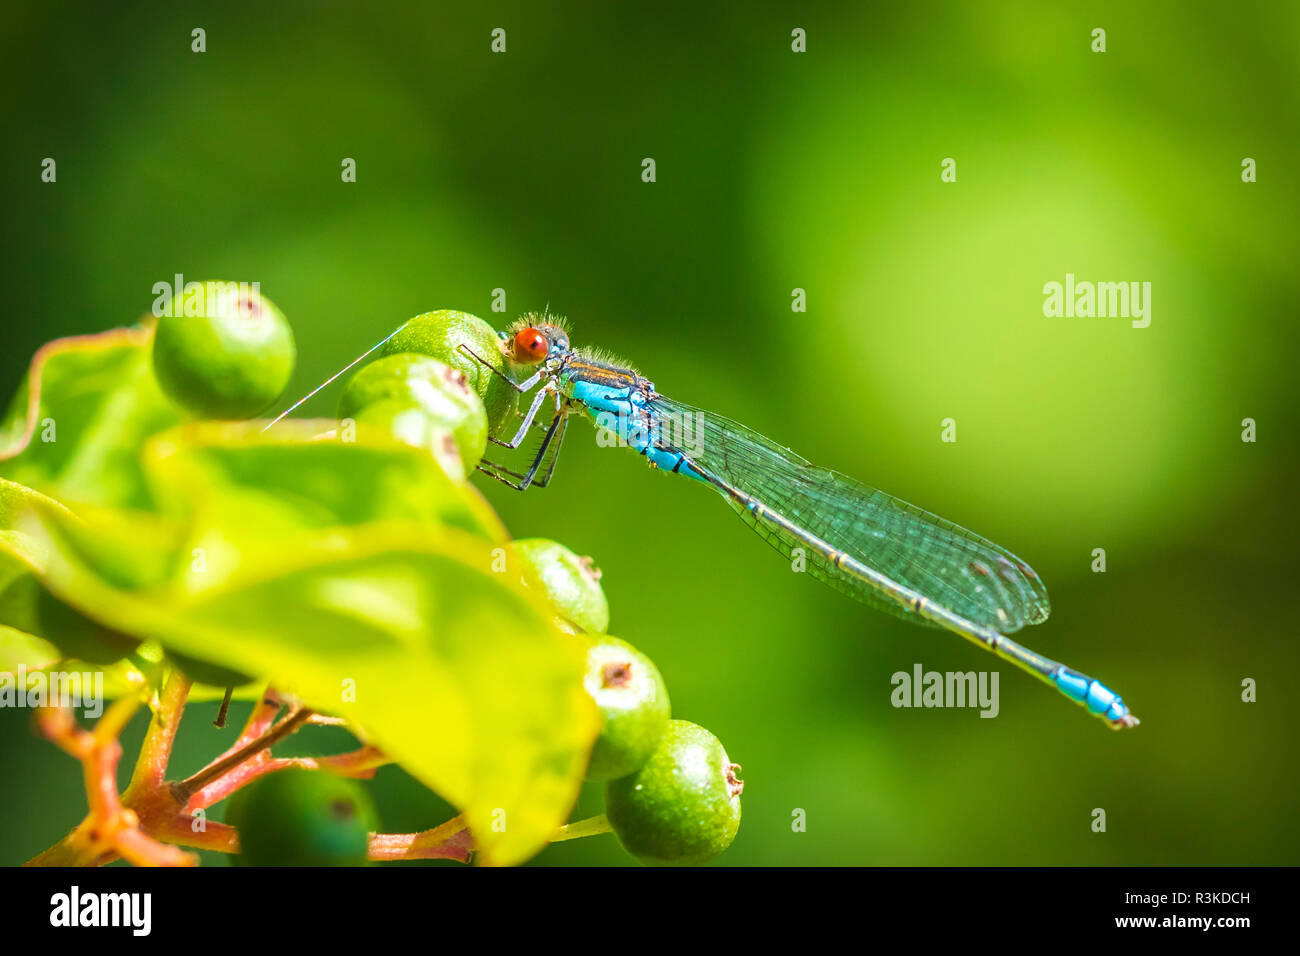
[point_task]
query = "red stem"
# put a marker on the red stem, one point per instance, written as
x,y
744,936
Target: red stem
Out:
x,y
450,841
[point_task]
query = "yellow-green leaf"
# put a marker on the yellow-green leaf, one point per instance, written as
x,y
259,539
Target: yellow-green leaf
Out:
x,y
452,669
75,428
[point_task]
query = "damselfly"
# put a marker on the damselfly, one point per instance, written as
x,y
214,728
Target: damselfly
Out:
x,y
872,546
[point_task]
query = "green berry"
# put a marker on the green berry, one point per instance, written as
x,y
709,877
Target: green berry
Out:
x,y
415,426
440,334
77,635
408,380
634,708
302,817
683,807
231,360
571,583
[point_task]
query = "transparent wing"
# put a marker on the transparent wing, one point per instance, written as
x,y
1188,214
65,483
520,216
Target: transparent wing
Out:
x,y
953,567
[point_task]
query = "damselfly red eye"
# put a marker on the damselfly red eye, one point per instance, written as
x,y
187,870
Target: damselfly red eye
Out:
x,y
531,346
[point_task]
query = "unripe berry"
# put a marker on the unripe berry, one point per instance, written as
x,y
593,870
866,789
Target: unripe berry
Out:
x,y
634,707
300,817
230,361
415,398
440,334
683,807
572,583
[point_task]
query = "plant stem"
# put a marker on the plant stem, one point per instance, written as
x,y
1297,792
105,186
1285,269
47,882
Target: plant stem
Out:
x,y
179,829
133,825
450,841
592,826
186,788
112,829
156,751
260,719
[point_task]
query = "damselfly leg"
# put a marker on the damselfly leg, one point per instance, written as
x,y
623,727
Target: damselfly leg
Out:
x,y
523,386
528,420
549,451
547,455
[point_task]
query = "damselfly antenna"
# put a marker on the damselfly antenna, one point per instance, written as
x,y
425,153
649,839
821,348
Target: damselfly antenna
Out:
x,y
334,377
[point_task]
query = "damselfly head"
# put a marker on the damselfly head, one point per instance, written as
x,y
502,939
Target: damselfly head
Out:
x,y
535,340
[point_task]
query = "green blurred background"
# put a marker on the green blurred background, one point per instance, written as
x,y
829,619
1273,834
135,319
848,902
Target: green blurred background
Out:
x,y
776,170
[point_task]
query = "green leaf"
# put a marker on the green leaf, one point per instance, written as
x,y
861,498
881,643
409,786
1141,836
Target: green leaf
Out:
x,y
21,649
22,559
455,671
317,479
247,498
22,562
76,426
24,550
237,500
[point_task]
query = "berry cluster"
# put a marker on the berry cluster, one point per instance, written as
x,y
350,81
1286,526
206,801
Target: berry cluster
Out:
x,y
442,383
672,794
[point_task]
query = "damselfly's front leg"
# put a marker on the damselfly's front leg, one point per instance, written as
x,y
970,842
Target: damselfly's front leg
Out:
x,y
521,387
554,436
528,420
546,469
